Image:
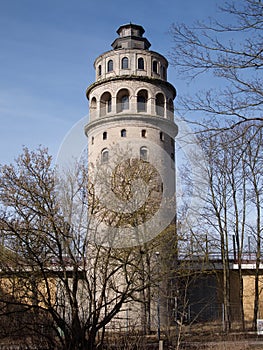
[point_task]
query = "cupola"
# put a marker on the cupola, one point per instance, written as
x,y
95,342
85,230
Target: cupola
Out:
x,y
131,37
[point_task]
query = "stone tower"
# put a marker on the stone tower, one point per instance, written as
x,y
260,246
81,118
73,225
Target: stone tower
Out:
x,y
131,101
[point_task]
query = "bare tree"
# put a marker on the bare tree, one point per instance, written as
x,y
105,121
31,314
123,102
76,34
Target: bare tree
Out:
x,y
54,267
229,50
254,166
232,208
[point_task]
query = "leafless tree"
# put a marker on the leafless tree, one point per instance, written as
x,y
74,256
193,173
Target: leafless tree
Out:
x,y
225,53
232,208
229,52
254,166
52,265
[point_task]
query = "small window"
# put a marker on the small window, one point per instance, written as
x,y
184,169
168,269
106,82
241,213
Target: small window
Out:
x,y
161,136
104,156
104,135
99,70
144,133
123,133
144,153
155,66
110,65
140,63
92,140
125,63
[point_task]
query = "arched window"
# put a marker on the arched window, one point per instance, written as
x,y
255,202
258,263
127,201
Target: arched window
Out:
x,y
144,153
159,103
161,136
123,133
125,63
104,156
99,70
143,133
110,66
155,66
140,63
105,103
142,98
92,140
104,135
93,107
123,100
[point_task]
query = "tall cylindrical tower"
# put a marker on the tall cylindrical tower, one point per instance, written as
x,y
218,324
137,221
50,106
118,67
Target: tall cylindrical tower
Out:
x,y
131,103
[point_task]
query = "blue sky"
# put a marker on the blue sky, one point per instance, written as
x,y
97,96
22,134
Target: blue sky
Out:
x,y
47,50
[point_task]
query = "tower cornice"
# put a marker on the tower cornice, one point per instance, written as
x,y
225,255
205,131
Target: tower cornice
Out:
x,y
147,79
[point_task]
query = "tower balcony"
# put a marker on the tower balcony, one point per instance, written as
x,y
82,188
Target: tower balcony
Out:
x,y
131,94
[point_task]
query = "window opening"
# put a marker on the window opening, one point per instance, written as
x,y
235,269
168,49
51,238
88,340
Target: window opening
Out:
x,y
122,100
140,63
142,98
163,72
144,153
110,66
155,66
141,103
109,105
125,102
159,104
105,103
124,63
104,156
